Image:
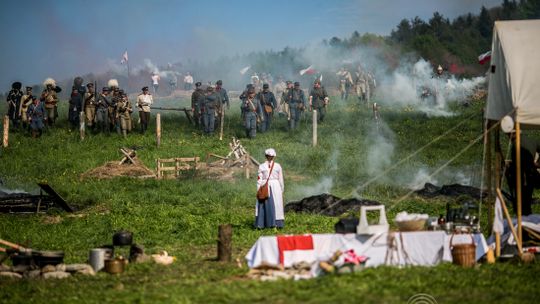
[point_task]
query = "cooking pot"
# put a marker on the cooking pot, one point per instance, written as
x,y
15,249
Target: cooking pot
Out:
x,y
114,266
122,238
48,257
22,259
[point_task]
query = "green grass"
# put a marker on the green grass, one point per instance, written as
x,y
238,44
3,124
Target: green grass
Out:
x,y
182,216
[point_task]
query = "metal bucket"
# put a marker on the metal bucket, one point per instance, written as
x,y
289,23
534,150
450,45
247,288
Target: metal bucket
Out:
x,y
97,258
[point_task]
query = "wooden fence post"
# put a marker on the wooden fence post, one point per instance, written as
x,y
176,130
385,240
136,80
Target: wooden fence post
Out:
x,y
314,128
158,129
224,243
6,132
81,125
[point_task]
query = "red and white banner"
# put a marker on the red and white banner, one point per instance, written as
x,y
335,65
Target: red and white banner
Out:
x,y
486,57
295,248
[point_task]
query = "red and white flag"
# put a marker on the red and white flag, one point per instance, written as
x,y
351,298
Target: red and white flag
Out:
x,y
309,70
295,248
486,57
124,58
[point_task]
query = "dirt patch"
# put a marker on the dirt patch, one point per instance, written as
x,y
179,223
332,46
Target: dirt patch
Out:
x,y
223,173
113,169
51,220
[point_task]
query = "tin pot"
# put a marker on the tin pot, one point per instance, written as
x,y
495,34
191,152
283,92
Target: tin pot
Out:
x,y
48,257
114,266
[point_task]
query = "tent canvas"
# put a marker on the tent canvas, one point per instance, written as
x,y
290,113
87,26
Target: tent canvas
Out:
x,y
515,71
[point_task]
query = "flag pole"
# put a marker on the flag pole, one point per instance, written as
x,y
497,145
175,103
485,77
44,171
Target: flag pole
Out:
x,y
127,63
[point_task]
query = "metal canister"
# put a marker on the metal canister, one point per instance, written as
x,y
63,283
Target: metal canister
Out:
x,y
97,258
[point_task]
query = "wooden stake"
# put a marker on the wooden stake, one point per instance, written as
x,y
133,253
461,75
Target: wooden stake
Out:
x,y
518,181
224,249
509,219
221,123
497,244
81,125
314,128
488,177
246,164
158,129
6,131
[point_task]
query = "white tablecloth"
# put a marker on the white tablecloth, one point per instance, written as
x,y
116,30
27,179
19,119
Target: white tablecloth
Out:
x,y
424,248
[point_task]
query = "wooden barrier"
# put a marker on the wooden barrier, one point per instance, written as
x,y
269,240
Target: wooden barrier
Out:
x,y
180,164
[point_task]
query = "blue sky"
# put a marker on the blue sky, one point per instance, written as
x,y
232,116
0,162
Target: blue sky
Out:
x,y
64,38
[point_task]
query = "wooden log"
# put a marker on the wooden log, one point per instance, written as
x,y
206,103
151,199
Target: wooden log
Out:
x,y
158,129
128,156
224,250
6,131
314,128
158,169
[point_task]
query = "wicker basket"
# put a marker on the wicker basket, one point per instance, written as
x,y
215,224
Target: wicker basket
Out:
x,y
414,225
463,254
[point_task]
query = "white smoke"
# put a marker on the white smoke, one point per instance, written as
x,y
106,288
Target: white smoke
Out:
x,y
380,148
406,85
325,183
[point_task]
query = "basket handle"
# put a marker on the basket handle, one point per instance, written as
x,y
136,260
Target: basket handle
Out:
x,y
452,237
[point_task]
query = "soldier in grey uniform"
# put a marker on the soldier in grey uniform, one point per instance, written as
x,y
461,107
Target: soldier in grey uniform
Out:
x,y
212,103
75,107
102,110
318,100
197,100
252,112
297,104
268,104
224,101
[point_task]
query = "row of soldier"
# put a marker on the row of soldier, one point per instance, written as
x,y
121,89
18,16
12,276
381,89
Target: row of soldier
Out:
x,y
363,83
110,110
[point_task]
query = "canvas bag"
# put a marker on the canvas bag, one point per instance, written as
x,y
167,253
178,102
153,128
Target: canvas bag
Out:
x,y
263,193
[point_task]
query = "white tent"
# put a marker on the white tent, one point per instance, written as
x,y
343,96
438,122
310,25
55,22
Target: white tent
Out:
x,y
514,86
514,81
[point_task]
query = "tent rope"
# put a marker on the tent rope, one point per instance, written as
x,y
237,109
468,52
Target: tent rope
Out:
x,y
373,179
477,139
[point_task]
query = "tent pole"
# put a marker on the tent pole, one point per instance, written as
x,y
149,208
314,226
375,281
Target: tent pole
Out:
x,y
489,176
518,181
498,178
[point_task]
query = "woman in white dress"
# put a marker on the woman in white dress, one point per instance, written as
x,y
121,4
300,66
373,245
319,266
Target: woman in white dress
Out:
x,y
269,212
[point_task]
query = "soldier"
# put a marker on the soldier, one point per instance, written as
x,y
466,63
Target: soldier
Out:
x,y
123,113
318,100
197,100
252,112
211,104
297,105
26,101
14,103
90,105
113,117
36,115
268,104
75,106
361,84
285,101
144,101
224,100
50,98
102,110
279,89
345,82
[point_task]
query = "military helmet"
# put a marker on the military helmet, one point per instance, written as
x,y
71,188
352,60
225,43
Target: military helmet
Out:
x,y
297,84
266,86
219,82
16,85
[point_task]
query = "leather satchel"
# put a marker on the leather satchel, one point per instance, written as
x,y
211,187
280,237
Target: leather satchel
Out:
x,y
263,193
268,108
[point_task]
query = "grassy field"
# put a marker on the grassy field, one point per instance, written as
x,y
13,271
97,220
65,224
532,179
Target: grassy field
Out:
x,y
182,216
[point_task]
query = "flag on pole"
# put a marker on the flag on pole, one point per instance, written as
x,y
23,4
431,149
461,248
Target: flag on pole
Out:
x,y
486,57
320,78
124,58
244,70
309,70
